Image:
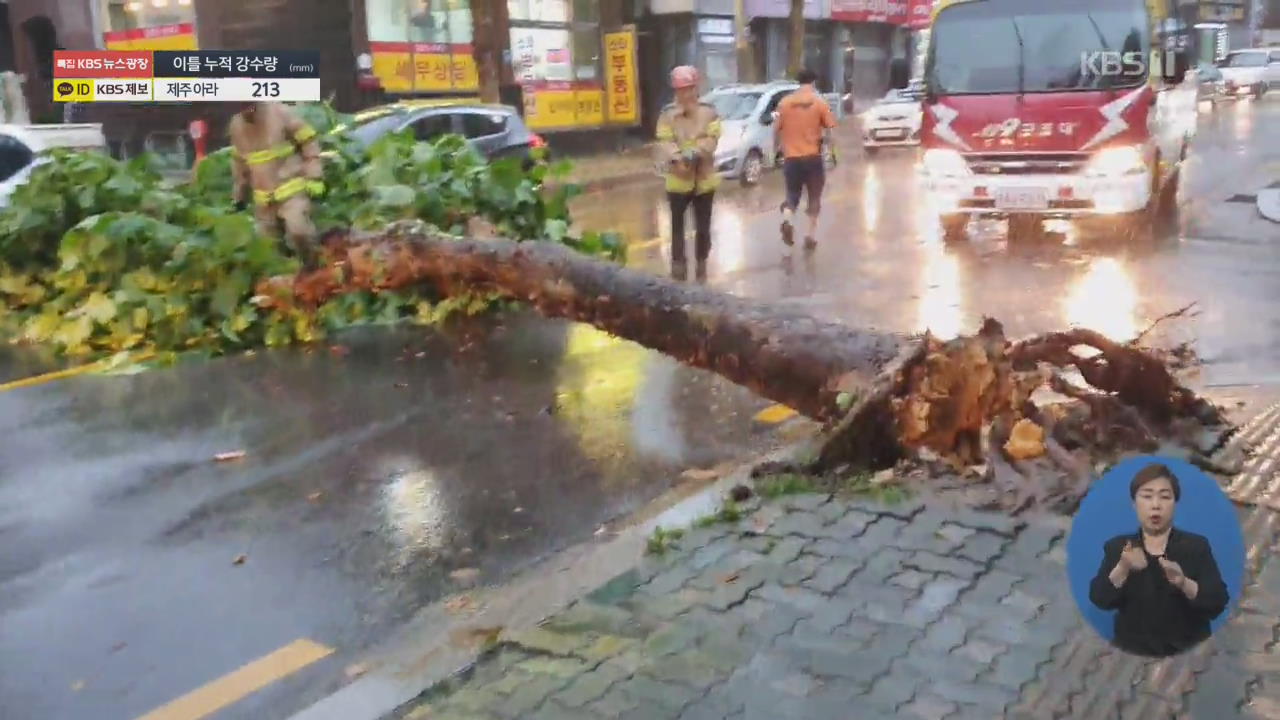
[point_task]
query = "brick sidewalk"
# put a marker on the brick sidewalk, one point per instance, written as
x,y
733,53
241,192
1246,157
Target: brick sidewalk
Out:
x,y
821,607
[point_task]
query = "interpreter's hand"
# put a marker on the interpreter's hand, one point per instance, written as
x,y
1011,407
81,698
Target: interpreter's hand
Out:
x,y
1172,572
1134,557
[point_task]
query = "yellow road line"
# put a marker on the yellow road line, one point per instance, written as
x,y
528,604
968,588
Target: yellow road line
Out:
x,y
775,414
63,374
230,688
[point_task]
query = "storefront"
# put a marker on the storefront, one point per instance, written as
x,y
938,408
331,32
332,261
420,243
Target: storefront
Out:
x,y
875,44
771,38
422,47
149,25
572,74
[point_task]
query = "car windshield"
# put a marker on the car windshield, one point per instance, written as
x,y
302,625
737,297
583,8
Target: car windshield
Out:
x,y
1006,46
896,97
733,105
1247,59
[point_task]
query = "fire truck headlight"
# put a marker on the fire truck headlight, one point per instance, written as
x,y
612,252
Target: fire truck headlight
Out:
x,y
1117,161
944,162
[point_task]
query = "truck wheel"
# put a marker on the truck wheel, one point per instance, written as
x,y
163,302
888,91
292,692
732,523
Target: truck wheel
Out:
x,y
954,227
1026,227
752,169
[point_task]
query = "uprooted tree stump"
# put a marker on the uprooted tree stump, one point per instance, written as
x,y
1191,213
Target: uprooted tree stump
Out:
x,y
883,396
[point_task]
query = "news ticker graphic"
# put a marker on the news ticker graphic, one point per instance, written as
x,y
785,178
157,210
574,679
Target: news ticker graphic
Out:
x,y
180,76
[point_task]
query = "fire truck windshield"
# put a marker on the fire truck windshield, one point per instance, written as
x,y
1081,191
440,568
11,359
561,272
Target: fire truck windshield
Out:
x,y
1010,46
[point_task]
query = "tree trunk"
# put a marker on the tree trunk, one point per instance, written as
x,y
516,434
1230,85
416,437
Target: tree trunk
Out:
x,y
795,48
882,395
741,30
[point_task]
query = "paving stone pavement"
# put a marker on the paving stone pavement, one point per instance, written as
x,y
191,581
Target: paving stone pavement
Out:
x,y
820,607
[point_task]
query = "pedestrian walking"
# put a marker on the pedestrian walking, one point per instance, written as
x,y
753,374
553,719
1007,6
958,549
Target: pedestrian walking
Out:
x,y
803,124
687,134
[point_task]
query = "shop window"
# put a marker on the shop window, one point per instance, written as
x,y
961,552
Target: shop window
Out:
x,y
436,22
139,14
479,125
541,55
586,11
553,11
586,55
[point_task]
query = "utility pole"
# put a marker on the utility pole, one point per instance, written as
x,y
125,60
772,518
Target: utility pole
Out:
x,y
741,31
795,48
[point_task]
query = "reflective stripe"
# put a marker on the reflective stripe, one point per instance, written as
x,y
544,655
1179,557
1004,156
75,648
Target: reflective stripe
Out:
x,y
259,157
701,187
679,185
665,133
304,133
288,189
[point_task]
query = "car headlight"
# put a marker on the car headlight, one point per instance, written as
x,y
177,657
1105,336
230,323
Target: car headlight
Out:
x,y
945,162
1116,161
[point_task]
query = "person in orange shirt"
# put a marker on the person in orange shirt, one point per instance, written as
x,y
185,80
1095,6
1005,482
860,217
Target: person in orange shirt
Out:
x,y
803,124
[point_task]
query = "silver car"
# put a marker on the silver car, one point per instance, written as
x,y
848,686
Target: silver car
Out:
x,y
747,146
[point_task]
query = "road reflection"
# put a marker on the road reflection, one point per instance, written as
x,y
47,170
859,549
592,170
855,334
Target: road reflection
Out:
x,y
1105,299
596,389
414,510
940,308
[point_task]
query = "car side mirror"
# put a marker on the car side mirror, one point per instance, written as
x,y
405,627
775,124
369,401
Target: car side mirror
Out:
x,y
767,118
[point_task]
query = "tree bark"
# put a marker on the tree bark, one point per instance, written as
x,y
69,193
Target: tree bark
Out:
x,y
881,395
795,48
489,18
787,357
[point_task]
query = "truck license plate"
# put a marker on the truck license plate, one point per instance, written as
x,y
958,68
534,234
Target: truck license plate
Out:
x,y
1022,198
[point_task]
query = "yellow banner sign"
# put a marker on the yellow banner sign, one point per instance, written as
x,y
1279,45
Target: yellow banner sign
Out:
x,y
407,68
620,76
562,109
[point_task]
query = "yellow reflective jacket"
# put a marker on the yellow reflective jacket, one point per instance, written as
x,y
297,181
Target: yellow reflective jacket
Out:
x,y
679,132
277,155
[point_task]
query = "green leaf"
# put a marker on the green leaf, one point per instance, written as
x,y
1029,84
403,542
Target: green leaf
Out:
x,y
395,196
230,293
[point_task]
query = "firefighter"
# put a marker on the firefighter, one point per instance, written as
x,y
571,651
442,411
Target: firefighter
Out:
x,y
277,165
687,134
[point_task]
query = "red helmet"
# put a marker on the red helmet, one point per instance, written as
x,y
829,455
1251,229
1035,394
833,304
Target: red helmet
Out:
x,y
684,76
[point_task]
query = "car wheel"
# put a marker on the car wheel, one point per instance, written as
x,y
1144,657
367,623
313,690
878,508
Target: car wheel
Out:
x,y
752,169
954,227
828,157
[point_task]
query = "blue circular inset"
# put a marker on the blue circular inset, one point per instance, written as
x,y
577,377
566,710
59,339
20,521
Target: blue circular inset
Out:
x,y
1107,511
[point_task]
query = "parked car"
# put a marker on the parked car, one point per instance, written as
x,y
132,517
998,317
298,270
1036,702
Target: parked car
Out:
x,y
1253,71
22,149
1209,83
893,121
747,146
496,131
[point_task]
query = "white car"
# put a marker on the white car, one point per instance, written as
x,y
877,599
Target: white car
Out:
x,y
1250,72
893,120
22,149
747,145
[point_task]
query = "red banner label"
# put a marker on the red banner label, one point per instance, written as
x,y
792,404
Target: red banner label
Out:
x,y
103,64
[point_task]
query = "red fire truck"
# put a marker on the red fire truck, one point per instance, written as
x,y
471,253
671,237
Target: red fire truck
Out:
x,y
1037,109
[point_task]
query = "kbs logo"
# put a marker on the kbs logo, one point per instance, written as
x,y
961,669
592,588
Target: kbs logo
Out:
x,y
1112,63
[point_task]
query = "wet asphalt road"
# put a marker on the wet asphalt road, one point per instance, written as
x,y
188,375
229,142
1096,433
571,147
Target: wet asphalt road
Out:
x,y
372,475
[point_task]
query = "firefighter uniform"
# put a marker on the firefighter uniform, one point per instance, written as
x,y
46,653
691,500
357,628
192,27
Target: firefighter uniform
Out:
x,y
686,145
277,157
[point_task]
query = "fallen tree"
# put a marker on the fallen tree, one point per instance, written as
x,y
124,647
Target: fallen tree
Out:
x,y
882,396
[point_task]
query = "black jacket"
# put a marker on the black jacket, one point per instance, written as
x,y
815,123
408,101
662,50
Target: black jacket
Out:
x,y
1154,618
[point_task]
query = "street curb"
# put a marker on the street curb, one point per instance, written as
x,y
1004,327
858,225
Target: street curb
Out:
x,y
427,652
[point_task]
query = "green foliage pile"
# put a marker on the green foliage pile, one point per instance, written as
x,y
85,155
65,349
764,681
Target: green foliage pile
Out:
x,y
99,256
